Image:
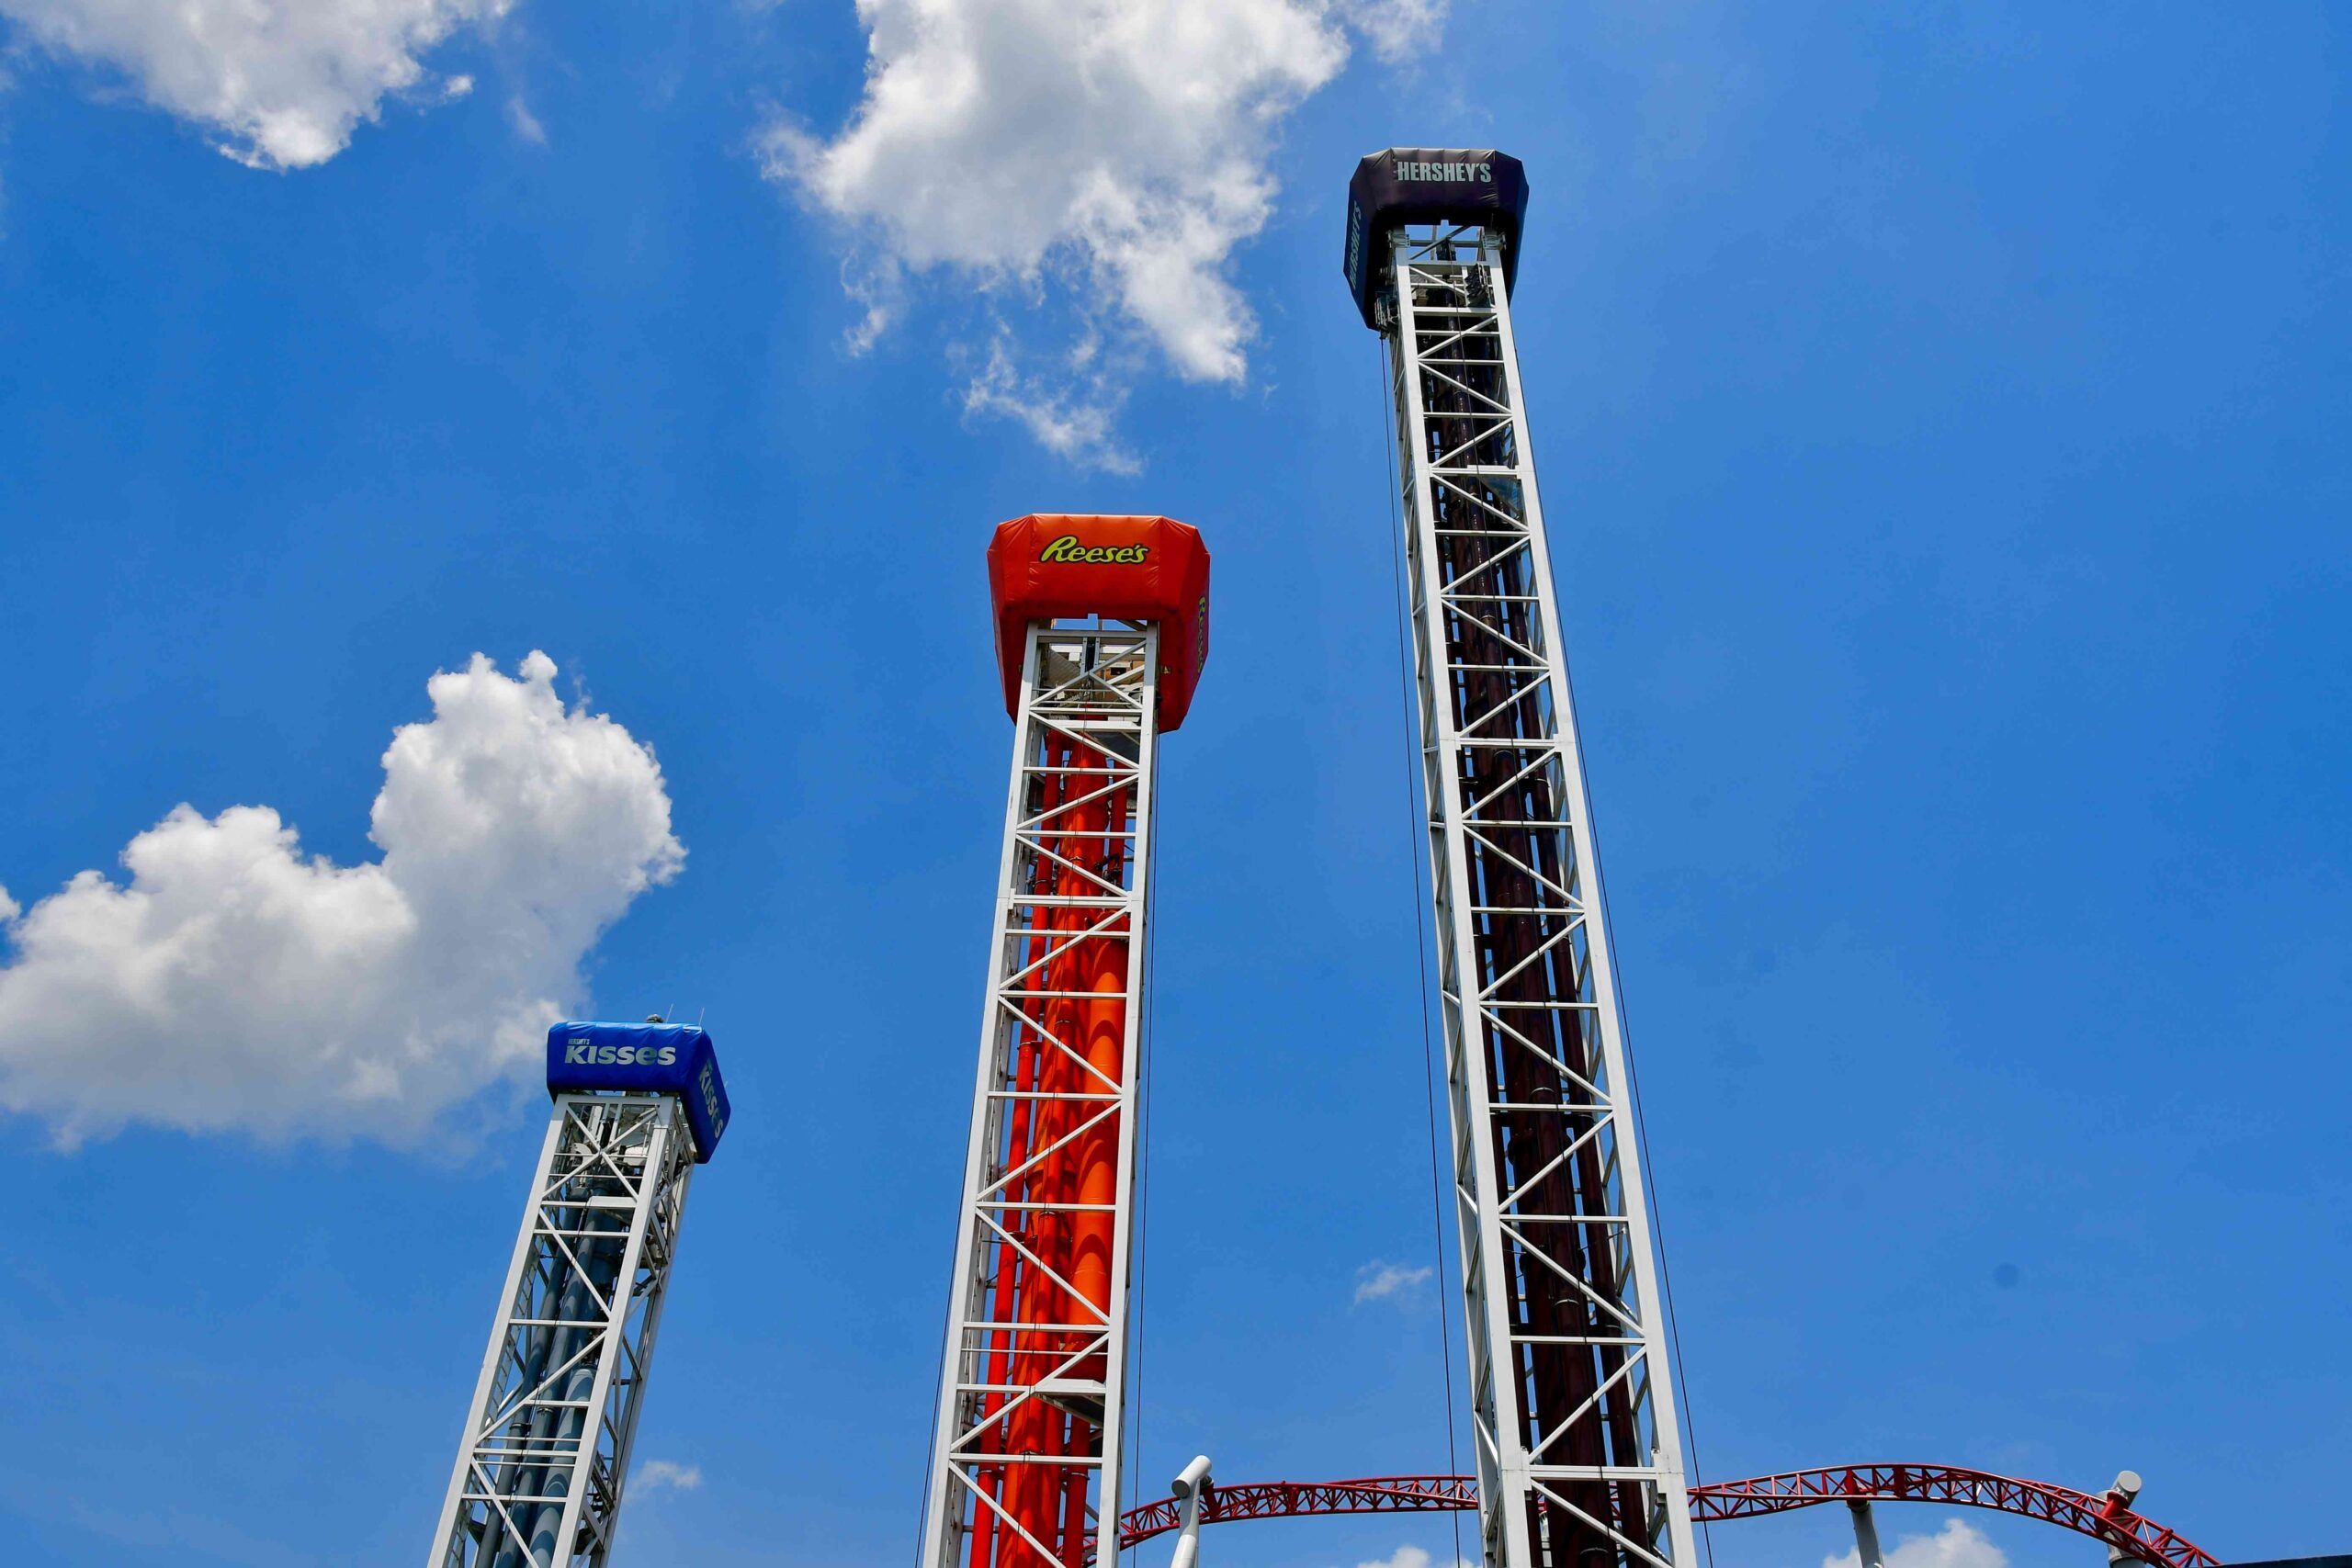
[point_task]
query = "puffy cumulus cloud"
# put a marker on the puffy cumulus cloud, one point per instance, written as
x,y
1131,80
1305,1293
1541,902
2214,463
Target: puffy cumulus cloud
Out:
x,y
1958,1545
1117,148
282,83
234,982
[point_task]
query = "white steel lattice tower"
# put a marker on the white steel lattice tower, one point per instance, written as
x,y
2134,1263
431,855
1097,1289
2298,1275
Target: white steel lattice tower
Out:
x,y
1102,628
546,1449
1578,1454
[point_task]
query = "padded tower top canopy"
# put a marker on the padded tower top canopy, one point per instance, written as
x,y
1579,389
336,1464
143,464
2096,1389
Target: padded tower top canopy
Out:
x,y
644,1058
1428,185
1050,565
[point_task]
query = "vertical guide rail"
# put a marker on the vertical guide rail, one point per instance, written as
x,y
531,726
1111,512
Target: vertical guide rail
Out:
x,y
538,1477
1579,1455
1026,1454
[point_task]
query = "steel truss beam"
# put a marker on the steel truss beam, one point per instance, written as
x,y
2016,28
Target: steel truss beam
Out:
x,y
2107,1518
1296,1499
2102,1519
1027,1447
539,1476
1572,1410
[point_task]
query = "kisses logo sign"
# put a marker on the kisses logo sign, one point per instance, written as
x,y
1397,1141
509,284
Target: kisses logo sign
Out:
x,y
707,1086
580,1053
1067,550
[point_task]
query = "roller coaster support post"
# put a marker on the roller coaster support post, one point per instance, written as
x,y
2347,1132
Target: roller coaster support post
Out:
x,y
1190,1488
1866,1545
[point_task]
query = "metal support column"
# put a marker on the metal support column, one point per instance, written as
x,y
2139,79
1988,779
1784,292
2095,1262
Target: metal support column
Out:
x,y
1867,1551
1190,1490
1026,1456
1580,1459
539,1476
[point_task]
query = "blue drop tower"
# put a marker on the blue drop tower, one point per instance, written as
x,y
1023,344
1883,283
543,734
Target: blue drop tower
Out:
x,y
545,1451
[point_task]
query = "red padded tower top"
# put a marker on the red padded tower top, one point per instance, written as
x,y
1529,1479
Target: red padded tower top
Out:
x,y
1050,565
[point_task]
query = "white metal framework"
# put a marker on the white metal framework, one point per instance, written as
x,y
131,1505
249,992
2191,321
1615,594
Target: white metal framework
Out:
x,y
1027,1453
1580,1459
538,1483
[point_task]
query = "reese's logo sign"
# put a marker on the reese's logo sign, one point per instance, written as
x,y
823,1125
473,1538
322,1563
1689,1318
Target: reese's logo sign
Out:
x,y
1067,548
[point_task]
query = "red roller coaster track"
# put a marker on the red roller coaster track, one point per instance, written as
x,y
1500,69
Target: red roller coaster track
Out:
x,y
2102,1519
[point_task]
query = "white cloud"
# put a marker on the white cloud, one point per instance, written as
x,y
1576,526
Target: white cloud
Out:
x,y
281,82
656,1474
879,284
1378,1281
234,983
1397,30
524,123
1410,1557
1079,420
1958,1545
1115,151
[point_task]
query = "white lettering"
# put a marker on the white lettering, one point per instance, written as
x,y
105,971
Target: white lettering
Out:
x,y
587,1054
1422,170
709,1085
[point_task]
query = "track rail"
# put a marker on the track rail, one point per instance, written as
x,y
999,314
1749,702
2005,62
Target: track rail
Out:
x,y
2101,1519
1289,1499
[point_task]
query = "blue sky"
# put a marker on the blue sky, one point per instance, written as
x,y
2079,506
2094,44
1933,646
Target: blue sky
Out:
x,y
1943,421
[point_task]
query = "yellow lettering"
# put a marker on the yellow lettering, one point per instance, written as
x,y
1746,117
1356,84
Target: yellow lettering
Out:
x,y
1067,548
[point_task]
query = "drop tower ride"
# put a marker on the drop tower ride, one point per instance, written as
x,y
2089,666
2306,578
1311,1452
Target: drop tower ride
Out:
x,y
1102,630
546,1448
1580,1459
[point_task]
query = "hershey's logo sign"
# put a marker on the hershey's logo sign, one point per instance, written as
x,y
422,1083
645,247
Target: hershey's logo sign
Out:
x,y
1416,169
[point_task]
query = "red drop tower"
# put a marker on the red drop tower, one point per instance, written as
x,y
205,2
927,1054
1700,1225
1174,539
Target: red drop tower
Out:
x,y
1101,631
